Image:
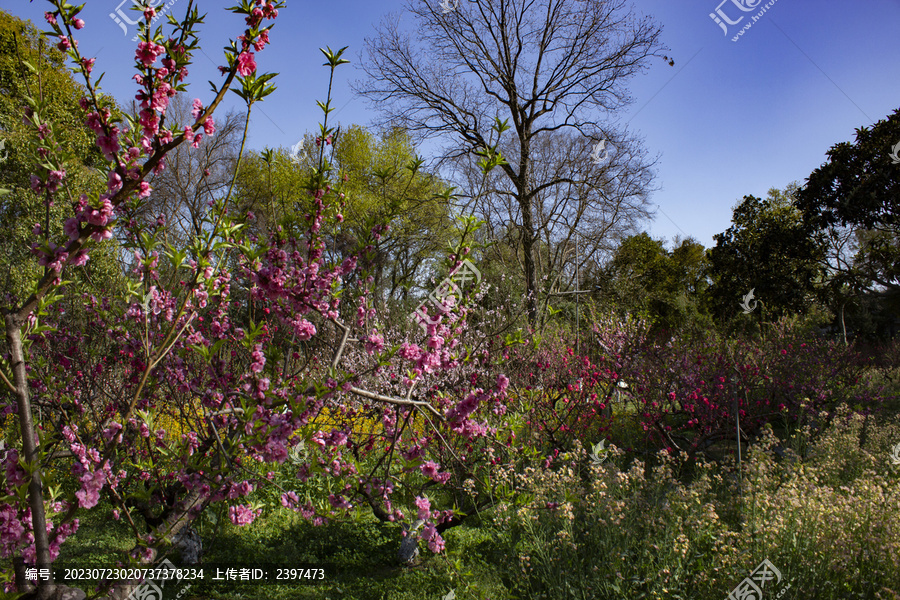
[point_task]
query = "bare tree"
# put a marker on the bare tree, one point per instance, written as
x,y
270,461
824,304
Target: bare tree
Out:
x,y
193,177
546,65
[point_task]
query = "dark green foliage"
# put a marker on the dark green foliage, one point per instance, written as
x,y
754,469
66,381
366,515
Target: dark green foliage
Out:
x,y
21,209
665,286
768,249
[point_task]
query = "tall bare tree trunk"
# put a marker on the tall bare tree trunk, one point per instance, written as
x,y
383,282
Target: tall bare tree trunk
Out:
x,y
14,324
528,233
530,275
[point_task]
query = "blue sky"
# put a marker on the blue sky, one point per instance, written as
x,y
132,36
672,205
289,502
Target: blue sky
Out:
x,y
729,119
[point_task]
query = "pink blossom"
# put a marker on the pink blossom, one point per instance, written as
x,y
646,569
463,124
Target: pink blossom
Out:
x,y
109,144
91,484
242,514
502,383
374,343
94,121
424,506
262,40
64,43
101,235
290,500
430,469
78,24
147,53
241,489
339,502
112,431
305,330
258,359
246,64
434,539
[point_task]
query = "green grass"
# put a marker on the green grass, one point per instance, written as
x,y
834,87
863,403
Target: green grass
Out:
x,y
360,557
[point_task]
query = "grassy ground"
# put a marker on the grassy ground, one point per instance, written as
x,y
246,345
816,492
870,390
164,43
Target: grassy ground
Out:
x,y
360,559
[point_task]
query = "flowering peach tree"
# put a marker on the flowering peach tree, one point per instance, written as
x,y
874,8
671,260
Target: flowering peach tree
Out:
x,y
227,352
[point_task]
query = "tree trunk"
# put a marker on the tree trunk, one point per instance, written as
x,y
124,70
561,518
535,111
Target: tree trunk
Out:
x,y
528,234
32,453
530,275
179,519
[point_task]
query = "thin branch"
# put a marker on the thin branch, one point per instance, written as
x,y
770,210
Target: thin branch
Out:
x,y
397,401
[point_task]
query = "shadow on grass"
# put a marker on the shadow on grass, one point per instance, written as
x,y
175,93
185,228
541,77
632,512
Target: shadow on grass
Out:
x,y
359,558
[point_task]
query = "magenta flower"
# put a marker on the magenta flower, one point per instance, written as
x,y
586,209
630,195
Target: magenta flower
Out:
x,y
78,24
258,359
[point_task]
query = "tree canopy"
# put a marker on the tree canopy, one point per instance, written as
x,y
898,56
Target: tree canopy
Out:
x,y
770,250
538,68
